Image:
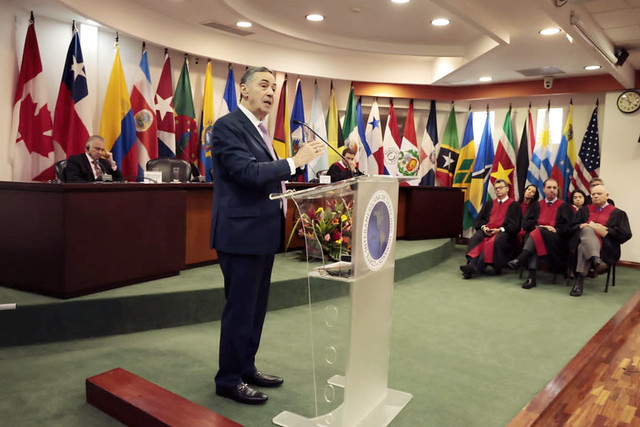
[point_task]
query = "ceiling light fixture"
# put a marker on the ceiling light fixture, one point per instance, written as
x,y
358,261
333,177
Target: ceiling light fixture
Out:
x,y
549,31
440,22
315,17
400,1
602,45
243,24
485,79
592,67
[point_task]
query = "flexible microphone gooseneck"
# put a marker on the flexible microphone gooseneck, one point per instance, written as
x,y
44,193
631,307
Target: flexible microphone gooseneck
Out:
x,y
346,162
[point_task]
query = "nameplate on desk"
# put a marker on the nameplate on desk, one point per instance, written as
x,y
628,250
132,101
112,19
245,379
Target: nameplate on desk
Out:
x,y
152,177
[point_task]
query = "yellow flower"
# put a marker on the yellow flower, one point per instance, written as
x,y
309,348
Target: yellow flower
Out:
x,y
344,217
319,211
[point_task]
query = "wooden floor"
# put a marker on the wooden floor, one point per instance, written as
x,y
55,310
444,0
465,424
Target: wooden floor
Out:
x,y
601,384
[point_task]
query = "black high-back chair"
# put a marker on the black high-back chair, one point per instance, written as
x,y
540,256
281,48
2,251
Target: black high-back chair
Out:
x,y
61,170
166,166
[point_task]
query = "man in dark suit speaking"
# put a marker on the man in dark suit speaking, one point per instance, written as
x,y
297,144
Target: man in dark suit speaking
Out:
x,y
247,229
93,164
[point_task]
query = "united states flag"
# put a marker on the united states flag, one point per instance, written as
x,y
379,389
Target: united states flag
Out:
x,y
588,162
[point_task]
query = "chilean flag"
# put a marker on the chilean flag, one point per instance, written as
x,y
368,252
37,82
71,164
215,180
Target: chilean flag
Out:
x,y
31,124
72,109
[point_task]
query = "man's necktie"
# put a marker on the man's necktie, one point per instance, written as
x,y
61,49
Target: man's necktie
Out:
x,y
98,169
267,140
549,204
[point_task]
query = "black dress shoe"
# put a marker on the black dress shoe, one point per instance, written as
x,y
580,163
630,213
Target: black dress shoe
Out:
x,y
242,393
528,284
576,291
263,380
466,276
514,264
468,270
601,267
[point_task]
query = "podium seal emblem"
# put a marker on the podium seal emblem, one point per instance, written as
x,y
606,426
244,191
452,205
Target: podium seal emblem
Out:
x,y
377,230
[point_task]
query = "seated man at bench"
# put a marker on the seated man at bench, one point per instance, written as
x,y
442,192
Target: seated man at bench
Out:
x,y
602,229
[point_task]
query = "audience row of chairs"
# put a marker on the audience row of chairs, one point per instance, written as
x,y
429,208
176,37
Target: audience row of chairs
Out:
x,y
166,165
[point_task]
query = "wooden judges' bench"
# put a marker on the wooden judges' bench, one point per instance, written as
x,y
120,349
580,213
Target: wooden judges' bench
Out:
x,y
66,240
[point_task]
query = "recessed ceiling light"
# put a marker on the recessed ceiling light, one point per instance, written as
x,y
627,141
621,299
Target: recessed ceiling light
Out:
x,y
569,38
549,31
243,24
315,17
400,1
485,79
592,67
440,22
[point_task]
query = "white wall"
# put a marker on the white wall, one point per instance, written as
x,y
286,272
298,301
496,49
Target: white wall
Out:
x,y
618,133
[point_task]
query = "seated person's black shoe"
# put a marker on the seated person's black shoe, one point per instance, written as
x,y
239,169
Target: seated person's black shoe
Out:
x,y
576,291
529,283
514,264
600,267
263,380
242,393
468,269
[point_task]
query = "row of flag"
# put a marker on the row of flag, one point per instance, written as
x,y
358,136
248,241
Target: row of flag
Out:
x,y
136,127
142,126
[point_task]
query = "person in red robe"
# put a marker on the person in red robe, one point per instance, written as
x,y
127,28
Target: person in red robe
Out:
x,y
495,238
341,170
548,225
602,229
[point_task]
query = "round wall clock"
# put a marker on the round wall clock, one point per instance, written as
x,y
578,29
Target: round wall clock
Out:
x,y
629,101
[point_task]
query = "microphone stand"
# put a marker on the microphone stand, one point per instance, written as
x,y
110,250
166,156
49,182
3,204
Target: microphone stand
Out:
x,y
346,162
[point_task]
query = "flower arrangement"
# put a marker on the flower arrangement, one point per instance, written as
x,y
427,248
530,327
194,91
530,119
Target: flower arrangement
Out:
x,y
327,230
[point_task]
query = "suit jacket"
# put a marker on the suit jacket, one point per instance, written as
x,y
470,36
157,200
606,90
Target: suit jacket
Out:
x,y
80,170
244,220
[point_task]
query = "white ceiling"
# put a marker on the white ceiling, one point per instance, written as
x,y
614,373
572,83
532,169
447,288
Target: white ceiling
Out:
x,y
485,38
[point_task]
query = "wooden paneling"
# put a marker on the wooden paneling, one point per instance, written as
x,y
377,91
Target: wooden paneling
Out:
x,y
561,86
66,240
199,200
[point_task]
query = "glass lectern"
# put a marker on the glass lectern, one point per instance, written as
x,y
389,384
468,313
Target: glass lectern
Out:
x,y
349,229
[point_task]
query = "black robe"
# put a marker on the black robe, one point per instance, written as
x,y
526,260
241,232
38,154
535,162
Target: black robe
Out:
x,y
505,243
619,231
556,244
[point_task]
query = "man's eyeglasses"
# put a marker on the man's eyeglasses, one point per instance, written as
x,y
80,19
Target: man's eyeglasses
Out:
x,y
501,187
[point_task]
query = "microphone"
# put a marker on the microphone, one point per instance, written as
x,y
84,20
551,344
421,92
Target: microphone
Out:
x,y
346,162
136,178
195,173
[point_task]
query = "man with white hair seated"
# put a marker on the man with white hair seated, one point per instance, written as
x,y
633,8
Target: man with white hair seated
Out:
x,y
603,228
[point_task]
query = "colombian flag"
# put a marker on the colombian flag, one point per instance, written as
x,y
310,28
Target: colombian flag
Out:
x,y
206,126
117,125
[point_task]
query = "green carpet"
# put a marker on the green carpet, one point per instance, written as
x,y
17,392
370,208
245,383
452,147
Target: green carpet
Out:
x,y
472,353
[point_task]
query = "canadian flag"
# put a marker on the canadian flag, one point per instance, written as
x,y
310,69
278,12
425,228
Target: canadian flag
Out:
x,y
31,126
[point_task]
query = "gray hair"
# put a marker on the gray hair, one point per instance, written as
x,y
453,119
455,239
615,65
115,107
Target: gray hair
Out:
x,y
91,139
251,71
